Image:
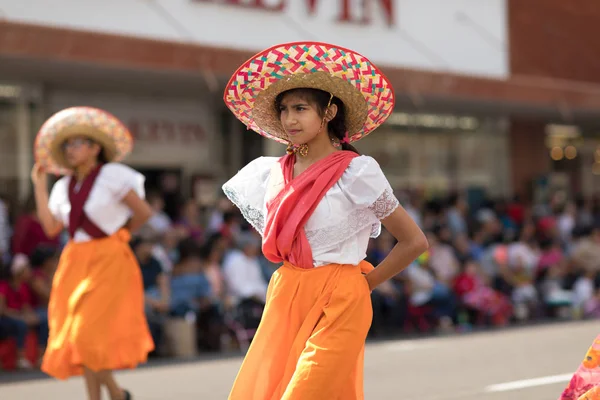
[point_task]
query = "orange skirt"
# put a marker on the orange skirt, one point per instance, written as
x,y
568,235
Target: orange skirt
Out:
x,y
96,310
311,339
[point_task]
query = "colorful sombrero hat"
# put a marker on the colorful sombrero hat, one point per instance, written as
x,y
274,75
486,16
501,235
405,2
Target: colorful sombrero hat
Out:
x,y
367,94
98,125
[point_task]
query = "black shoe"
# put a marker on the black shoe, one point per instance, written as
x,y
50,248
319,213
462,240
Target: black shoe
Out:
x,y
127,395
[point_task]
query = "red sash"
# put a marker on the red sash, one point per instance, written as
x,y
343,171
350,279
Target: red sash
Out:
x,y
293,204
77,217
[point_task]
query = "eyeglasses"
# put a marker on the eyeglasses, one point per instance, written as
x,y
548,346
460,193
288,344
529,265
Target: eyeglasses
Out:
x,y
75,143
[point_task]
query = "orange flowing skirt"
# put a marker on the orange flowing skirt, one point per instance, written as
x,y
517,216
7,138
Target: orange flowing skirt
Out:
x,y
96,310
311,339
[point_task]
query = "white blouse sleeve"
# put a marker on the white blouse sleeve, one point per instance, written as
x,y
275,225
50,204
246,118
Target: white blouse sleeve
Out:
x,y
352,208
120,179
248,188
367,186
59,198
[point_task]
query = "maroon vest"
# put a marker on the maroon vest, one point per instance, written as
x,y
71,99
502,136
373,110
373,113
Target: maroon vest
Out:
x,y
77,217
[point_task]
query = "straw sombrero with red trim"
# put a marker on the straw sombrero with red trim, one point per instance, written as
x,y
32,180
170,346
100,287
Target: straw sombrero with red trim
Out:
x,y
98,125
367,94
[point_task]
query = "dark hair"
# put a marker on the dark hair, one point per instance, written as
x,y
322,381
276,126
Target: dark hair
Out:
x,y
189,248
41,254
102,156
337,126
210,245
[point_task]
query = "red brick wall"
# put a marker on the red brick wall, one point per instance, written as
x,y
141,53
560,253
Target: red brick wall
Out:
x,y
555,38
528,154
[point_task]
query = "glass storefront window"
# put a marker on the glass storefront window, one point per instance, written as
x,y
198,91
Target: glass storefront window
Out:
x,y
438,155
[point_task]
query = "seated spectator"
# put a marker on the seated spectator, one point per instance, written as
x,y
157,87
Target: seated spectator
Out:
x,y
441,259
190,288
169,243
44,261
424,289
242,271
388,300
17,307
156,281
215,220
474,291
230,228
462,248
515,278
246,285
28,233
552,293
160,222
585,297
192,295
212,256
189,224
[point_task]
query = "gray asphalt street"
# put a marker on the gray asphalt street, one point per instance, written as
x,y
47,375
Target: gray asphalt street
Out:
x,y
531,363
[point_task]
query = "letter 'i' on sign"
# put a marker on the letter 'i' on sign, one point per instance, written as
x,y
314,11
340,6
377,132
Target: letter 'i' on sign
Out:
x,y
347,15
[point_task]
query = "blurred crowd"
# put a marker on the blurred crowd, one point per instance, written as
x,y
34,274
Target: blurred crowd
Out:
x,y
494,263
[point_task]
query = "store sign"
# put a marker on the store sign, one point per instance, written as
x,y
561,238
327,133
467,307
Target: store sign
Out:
x,y
166,131
391,33
350,11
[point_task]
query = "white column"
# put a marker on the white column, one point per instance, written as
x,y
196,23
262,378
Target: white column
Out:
x,y
24,147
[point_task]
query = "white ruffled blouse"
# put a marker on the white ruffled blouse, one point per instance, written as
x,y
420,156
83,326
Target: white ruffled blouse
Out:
x,y
104,206
345,219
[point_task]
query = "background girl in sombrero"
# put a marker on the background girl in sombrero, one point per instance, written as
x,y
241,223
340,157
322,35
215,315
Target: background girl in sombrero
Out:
x,y
96,308
315,208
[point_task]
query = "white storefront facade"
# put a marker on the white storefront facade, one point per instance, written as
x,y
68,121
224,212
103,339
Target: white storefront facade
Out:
x,y
161,67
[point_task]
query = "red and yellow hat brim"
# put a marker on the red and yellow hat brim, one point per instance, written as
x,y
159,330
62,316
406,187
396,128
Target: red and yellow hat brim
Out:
x,y
367,94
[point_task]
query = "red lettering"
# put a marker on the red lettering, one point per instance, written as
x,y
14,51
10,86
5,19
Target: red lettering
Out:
x,y
153,131
346,14
312,5
388,11
259,4
165,131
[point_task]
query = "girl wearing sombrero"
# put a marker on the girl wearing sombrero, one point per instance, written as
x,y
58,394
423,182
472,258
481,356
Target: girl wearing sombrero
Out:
x,y
316,208
96,308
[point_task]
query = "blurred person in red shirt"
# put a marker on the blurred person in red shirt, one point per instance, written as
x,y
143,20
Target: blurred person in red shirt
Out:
x,y
17,306
29,233
474,290
516,211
